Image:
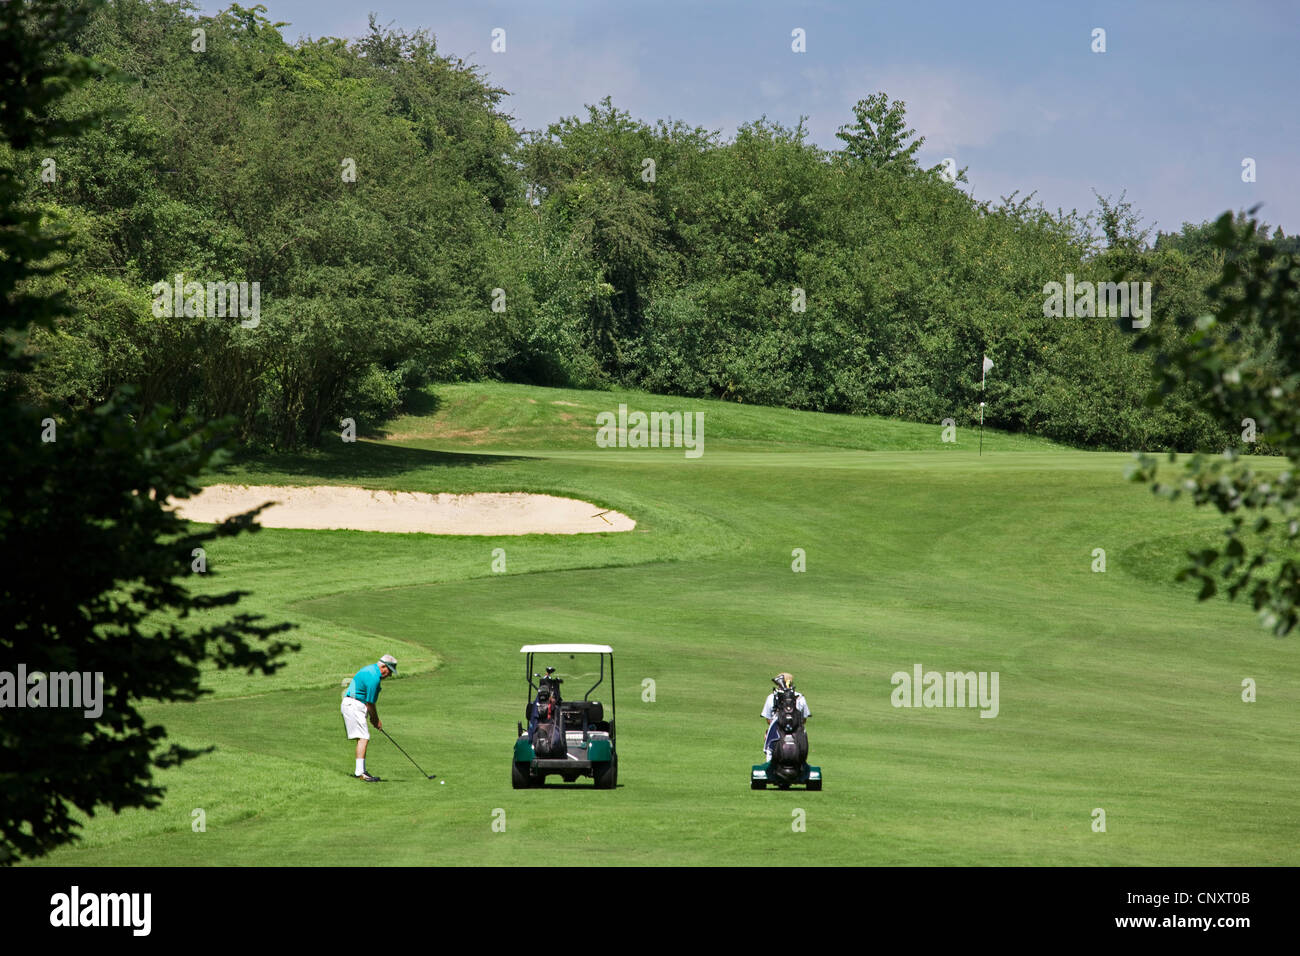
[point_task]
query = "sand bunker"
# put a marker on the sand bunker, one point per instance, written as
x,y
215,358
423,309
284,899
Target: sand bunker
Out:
x,y
333,507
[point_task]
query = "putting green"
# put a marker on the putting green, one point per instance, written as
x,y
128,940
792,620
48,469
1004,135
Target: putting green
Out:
x,y
1117,690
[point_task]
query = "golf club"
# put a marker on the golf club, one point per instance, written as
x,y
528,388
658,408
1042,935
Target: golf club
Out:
x,y
404,753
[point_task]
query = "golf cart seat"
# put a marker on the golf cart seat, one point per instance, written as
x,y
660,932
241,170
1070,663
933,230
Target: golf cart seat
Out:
x,y
581,714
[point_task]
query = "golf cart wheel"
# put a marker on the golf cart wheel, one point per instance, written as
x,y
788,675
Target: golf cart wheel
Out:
x,y
757,785
606,775
520,776
814,784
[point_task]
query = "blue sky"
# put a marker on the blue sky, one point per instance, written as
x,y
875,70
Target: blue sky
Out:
x,y
1184,92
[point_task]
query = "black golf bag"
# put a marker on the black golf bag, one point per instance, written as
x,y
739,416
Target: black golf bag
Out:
x,y
547,733
790,749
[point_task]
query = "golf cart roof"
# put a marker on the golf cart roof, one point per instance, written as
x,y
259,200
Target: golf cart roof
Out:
x,y
566,649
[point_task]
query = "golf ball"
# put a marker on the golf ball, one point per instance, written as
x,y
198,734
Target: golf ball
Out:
x,y
442,782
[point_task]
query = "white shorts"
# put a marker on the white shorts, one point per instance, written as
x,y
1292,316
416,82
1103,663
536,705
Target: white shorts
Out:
x,y
354,718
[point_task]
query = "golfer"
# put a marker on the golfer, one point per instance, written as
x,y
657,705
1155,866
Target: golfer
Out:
x,y
359,705
769,712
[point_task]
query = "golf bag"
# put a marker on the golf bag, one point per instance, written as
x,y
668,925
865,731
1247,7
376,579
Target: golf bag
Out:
x,y
547,735
790,749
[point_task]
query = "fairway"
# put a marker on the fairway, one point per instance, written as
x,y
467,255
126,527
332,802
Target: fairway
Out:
x,y
1117,690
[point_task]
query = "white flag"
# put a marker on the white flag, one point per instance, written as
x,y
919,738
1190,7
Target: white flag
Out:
x,y
988,364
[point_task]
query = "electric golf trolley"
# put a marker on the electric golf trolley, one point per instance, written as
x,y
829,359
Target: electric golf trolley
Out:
x,y
567,738
788,765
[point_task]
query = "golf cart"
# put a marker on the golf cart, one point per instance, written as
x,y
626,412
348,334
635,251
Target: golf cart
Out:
x,y
568,738
789,765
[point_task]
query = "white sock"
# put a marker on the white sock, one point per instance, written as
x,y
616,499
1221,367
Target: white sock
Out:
x,y
361,766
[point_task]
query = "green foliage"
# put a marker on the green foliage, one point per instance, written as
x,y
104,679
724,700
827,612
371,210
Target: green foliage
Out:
x,y
627,253
878,137
29,33
374,397
1241,357
235,163
92,562
687,284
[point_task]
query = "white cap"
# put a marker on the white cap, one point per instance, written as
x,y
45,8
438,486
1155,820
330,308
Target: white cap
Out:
x,y
389,661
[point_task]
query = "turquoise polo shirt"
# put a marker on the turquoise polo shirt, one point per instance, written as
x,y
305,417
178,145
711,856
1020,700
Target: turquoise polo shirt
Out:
x,y
365,687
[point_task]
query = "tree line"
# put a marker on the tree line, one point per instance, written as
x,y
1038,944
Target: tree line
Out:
x,y
401,230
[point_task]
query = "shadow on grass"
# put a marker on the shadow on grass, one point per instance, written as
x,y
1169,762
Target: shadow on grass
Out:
x,y
361,459
420,403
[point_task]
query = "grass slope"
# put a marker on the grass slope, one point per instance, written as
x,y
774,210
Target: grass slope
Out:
x,y
1117,690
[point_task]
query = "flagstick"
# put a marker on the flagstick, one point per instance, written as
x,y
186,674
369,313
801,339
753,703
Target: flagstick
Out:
x,y
983,372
